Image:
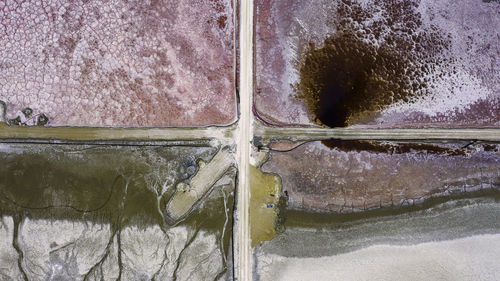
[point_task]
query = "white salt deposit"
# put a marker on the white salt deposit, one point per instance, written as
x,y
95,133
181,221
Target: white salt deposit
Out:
x,y
472,258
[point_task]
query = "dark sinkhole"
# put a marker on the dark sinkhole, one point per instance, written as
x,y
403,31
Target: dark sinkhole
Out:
x,y
347,77
362,69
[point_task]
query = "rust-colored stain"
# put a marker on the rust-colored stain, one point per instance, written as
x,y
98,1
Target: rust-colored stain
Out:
x,y
383,64
394,147
350,74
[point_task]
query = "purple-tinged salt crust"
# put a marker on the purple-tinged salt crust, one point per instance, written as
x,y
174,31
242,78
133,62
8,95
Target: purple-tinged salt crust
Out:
x,y
119,63
365,175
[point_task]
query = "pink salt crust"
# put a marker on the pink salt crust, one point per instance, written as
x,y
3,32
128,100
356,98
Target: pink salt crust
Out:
x,y
119,63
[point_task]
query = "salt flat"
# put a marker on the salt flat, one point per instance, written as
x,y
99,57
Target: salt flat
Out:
x,y
471,258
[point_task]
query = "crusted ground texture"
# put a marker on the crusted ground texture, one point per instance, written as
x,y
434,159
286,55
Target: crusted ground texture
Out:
x,y
348,176
119,63
411,63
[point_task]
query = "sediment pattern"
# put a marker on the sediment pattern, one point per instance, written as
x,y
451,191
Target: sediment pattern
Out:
x,y
381,64
98,213
348,176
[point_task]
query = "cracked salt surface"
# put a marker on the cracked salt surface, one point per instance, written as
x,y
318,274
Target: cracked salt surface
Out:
x,y
460,81
116,63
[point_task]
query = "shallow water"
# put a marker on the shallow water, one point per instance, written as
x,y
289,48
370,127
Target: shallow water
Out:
x,y
58,202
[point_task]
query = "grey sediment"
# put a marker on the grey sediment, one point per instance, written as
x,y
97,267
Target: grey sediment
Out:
x,y
312,234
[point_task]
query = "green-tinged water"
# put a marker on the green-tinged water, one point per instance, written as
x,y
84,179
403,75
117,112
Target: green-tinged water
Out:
x,y
95,182
125,188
